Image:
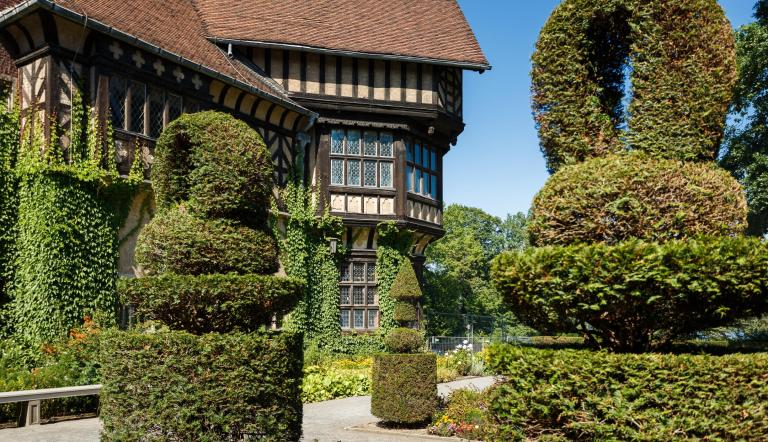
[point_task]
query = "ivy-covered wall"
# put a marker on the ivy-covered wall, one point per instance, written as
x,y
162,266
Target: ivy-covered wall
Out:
x,y
9,145
305,254
71,203
392,248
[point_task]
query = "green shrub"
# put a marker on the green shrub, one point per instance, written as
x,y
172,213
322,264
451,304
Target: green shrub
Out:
x,y
406,285
211,303
636,295
681,59
405,312
356,345
634,196
404,340
171,385
176,241
465,416
404,387
218,163
586,395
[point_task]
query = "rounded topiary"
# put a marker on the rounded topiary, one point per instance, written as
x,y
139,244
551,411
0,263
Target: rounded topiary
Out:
x,y
680,56
406,285
216,162
405,312
634,196
404,387
176,241
635,295
404,340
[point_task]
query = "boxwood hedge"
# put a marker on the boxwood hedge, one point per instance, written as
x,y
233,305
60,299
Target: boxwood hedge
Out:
x,y
586,395
636,295
218,163
405,312
681,59
177,241
211,303
179,386
404,388
636,196
404,340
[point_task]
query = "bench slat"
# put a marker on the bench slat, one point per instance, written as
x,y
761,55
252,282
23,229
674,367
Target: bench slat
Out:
x,y
9,397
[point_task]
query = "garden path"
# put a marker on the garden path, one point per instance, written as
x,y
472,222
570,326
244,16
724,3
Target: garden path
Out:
x,y
323,422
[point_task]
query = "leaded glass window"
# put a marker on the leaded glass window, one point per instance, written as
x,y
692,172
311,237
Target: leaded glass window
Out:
x,y
174,107
386,142
423,169
362,158
118,92
358,319
344,300
344,318
385,174
358,300
370,174
138,100
337,172
337,141
353,142
357,295
156,112
353,173
358,272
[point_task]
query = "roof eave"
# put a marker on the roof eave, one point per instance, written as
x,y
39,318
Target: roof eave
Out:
x,y
480,67
29,6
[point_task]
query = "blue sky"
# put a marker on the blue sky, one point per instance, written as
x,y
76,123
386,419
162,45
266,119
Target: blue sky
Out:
x,y
497,165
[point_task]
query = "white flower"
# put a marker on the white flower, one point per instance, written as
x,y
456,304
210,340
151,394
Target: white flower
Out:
x,y
465,342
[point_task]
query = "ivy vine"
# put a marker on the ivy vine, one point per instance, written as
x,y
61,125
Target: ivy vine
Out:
x,y
71,203
305,254
9,146
393,247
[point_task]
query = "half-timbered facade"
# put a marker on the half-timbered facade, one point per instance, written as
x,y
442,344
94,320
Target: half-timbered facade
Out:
x,y
361,98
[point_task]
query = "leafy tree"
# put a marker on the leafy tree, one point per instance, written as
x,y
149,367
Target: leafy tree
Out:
x,y
746,142
457,279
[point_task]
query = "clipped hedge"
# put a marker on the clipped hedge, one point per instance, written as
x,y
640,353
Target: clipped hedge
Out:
x,y
218,163
175,385
405,312
636,295
404,388
681,57
585,395
176,241
406,285
211,303
634,196
404,340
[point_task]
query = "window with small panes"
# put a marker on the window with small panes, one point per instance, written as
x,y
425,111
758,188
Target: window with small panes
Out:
x,y
422,175
141,109
362,158
358,299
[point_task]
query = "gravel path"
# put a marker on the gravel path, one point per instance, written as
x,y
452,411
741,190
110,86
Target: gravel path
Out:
x,y
328,421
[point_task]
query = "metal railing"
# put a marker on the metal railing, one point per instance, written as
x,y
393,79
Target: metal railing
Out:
x,y
32,398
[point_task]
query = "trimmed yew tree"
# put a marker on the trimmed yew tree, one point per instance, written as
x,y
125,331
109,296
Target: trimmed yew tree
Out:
x,y
639,231
213,371
404,389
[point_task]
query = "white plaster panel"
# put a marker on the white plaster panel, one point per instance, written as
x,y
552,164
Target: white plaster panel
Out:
x,y
387,206
354,204
337,203
371,205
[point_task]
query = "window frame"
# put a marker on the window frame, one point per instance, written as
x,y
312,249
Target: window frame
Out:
x,y
424,167
347,304
169,99
361,156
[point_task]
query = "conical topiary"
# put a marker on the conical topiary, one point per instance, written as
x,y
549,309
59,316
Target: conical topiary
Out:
x,y
406,285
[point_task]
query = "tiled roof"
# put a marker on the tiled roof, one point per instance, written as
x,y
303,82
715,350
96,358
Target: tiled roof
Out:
x,y
429,29
172,25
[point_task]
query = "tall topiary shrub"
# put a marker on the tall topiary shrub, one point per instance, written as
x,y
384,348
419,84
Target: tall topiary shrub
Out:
x,y
217,374
631,177
404,389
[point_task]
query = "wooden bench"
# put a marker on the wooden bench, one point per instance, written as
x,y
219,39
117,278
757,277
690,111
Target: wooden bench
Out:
x,y
32,398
